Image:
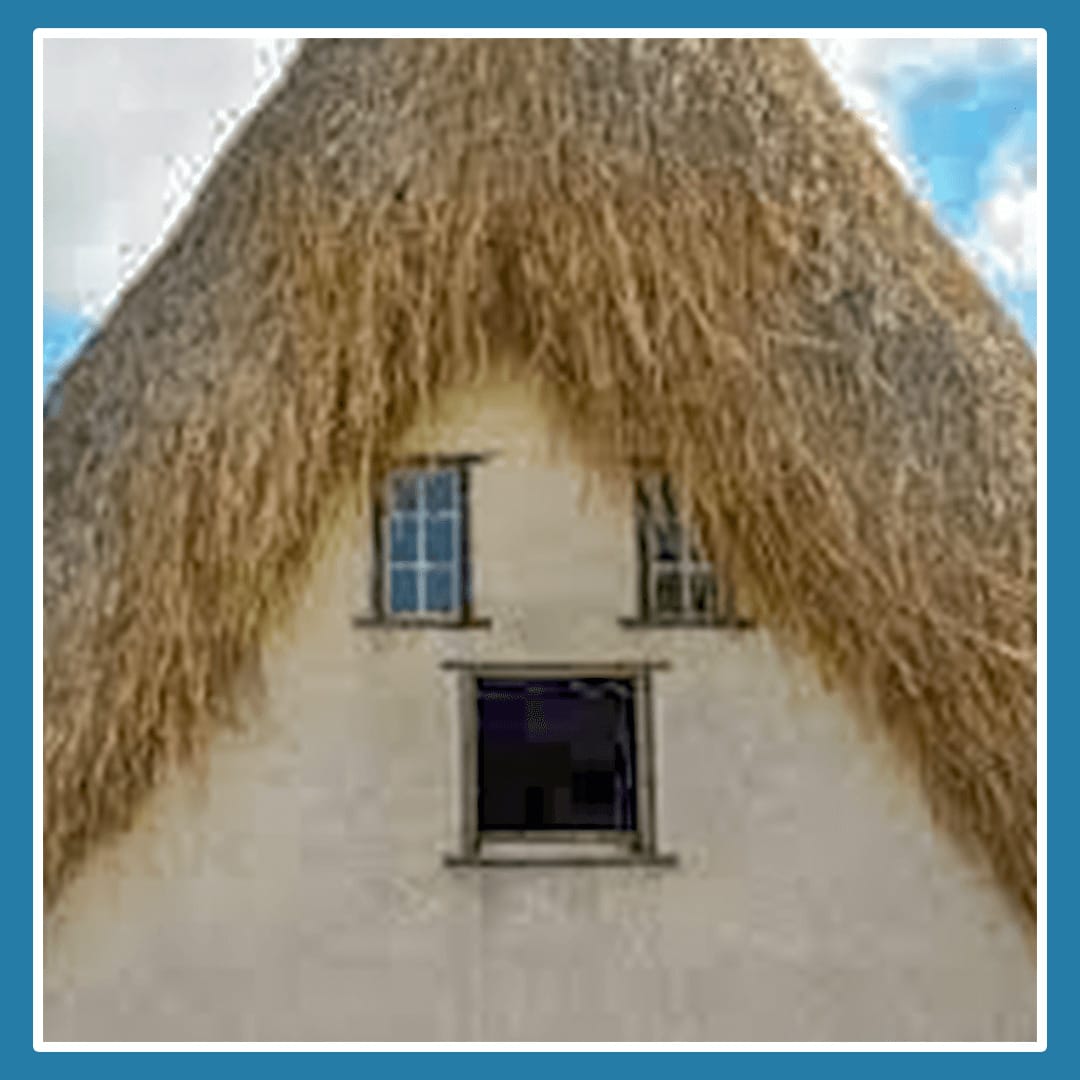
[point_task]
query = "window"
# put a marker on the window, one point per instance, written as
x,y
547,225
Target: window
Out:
x,y
556,754
424,556
557,764
421,551
677,584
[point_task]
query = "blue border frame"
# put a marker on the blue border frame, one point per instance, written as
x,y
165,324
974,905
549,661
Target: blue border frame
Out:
x,y
16,433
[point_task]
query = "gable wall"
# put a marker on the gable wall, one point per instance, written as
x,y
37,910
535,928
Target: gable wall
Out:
x,y
297,890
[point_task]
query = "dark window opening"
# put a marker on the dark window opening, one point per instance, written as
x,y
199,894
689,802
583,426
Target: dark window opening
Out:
x,y
556,754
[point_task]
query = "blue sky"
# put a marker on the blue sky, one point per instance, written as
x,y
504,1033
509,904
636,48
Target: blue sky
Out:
x,y
957,117
964,129
63,331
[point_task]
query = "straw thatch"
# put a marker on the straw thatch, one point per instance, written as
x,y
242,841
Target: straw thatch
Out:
x,y
699,253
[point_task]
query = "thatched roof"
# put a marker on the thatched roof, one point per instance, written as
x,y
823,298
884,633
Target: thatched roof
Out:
x,y
697,251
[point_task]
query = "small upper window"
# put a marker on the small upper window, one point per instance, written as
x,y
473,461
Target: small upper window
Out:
x,y
677,583
424,527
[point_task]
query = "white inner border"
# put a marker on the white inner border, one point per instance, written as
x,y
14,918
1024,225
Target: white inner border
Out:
x,y
1038,35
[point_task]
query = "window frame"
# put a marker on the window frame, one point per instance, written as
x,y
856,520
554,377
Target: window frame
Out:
x,y
567,847
463,616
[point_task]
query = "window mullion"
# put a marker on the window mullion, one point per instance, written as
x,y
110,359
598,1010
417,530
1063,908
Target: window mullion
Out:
x,y
456,556
421,543
685,573
463,544
387,527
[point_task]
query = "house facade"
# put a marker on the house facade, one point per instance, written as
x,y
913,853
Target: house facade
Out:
x,y
519,767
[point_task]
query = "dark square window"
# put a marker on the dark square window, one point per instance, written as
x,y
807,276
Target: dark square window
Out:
x,y
556,754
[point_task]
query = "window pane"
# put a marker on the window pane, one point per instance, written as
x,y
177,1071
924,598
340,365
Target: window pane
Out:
x,y
662,519
668,497
439,539
667,540
668,594
556,754
669,515
440,589
703,594
403,536
441,489
403,491
403,590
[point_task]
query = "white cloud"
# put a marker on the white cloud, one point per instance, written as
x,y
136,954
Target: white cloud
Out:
x,y
875,75
130,126
872,71
1010,217
1008,221
861,69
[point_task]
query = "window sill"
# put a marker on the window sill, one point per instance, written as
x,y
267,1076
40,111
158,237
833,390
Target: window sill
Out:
x,y
637,623
375,622
544,861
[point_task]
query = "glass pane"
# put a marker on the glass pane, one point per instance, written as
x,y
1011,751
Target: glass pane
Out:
x,y
662,519
668,499
669,594
440,489
703,594
439,539
667,538
403,491
403,537
440,589
403,591
556,754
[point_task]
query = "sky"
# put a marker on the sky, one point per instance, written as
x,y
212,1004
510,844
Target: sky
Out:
x,y
131,126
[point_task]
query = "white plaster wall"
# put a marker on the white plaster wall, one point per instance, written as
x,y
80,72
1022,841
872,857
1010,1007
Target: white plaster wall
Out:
x,y
296,890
